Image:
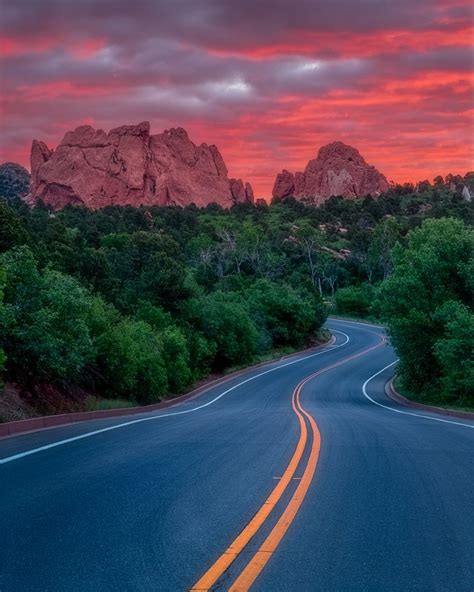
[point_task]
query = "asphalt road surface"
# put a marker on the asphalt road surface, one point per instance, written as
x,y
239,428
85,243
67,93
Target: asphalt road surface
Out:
x,y
297,476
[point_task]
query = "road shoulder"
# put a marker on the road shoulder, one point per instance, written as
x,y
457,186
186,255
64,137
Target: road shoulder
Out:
x,y
394,395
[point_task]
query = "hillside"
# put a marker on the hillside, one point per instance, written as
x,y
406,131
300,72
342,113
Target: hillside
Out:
x,y
14,181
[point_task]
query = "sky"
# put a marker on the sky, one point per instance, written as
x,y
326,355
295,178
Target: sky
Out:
x,y
267,81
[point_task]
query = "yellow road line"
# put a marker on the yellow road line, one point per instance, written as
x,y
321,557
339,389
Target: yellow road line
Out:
x,y
223,562
261,557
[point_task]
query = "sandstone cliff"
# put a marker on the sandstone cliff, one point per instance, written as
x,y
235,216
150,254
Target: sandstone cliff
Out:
x,y
338,169
130,166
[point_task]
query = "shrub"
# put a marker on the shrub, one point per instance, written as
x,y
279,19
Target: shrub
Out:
x,y
44,330
12,231
289,316
202,352
131,362
227,323
355,300
176,359
2,353
427,303
454,351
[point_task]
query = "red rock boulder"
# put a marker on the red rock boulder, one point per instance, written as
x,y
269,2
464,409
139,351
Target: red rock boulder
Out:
x,y
339,169
128,166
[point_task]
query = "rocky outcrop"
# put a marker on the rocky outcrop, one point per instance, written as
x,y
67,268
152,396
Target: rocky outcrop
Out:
x,y
338,169
14,181
128,166
466,194
40,153
241,192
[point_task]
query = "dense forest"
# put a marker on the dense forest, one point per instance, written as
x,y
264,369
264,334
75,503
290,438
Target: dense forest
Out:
x,y
139,303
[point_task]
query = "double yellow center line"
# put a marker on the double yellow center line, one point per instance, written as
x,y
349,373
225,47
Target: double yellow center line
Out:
x,y
256,564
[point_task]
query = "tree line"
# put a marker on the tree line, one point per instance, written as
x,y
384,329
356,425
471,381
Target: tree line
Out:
x,y
141,302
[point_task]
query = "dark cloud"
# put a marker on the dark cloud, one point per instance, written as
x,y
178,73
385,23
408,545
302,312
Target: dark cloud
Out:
x,y
224,23
446,59
258,78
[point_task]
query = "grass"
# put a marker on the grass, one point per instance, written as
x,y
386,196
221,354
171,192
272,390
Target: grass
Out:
x,y
97,404
436,401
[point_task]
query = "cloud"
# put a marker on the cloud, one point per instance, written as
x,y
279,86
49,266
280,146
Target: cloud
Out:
x,y
225,23
267,81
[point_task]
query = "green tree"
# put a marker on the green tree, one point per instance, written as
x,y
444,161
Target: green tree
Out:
x,y
12,230
384,237
2,320
130,360
227,323
454,351
176,359
45,333
424,298
355,300
289,316
308,239
14,181
145,266
202,352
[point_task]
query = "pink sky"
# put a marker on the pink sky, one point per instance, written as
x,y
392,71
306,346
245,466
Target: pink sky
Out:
x,y
269,82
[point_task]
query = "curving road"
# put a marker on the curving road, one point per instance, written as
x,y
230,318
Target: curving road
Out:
x,y
296,476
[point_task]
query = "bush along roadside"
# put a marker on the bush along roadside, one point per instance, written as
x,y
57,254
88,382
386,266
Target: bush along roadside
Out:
x,y
55,331
427,305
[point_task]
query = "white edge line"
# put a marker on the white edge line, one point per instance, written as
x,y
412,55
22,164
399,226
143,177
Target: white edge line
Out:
x,y
367,396
8,459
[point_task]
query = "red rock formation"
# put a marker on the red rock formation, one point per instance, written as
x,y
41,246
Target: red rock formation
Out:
x,y
241,192
338,170
129,166
40,153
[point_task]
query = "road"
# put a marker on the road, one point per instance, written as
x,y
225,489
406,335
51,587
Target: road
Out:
x,y
296,476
